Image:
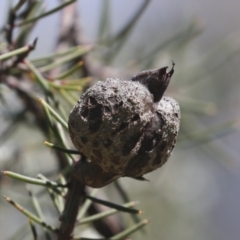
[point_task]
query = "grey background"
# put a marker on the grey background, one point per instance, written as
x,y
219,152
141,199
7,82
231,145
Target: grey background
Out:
x,y
196,194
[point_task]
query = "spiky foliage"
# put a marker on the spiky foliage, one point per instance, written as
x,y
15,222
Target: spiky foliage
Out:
x,y
45,85
49,86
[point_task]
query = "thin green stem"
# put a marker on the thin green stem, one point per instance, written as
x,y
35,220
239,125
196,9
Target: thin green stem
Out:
x,y
125,198
31,180
67,96
46,13
33,229
41,80
51,145
115,206
18,5
66,87
130,230
30,215
86,205
81,82
70,71
62,139
36,204
57,54
56,198
16,52
69,57
57,129
40,214
104,214
54,113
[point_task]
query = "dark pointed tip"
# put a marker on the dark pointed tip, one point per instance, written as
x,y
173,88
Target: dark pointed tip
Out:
x,y
164,69
35,42
161,71
141,178
170,73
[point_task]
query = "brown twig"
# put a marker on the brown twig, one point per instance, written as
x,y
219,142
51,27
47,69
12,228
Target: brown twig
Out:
x,y
75,196
71,35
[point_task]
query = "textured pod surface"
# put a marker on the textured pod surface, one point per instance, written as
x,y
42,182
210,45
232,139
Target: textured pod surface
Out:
x,y
122,130
106,124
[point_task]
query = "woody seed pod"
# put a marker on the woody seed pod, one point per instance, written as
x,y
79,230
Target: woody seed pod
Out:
x,y
124,128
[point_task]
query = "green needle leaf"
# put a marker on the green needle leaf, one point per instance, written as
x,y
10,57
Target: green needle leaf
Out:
x,y
70,71
31,180
46,13
41,80
18,5
33,229
74,54
66,87
30,215
50,57
67,96
113,205
38,209
54,113
98,216
51,145
56,198
130,230
18,51
86,205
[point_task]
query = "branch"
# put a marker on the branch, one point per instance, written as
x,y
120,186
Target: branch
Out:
x,y
75,196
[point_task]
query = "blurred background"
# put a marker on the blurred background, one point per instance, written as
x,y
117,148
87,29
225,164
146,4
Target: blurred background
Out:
x,y
196,194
